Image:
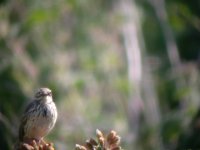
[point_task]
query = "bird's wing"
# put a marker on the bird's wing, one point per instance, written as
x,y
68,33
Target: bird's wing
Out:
x,y
27,114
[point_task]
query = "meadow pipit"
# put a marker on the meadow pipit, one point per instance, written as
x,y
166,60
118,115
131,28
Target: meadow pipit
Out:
x,y
39,117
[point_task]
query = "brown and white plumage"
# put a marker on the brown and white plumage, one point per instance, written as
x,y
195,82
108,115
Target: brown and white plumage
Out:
x,y
39,117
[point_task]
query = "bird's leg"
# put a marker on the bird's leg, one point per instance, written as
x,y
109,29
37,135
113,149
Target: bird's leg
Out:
x,y
42,142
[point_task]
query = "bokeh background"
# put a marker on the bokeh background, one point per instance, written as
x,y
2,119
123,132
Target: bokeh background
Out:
x,y
131,66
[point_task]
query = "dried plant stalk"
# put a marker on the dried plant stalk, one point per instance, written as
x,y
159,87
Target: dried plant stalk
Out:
x,y
109,142
33,145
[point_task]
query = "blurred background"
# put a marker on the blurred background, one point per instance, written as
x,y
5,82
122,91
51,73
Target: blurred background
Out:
x,y
123,65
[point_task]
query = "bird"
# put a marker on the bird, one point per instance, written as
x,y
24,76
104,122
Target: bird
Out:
x,y
39,117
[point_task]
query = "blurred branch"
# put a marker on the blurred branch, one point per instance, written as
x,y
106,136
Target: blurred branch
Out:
x,y
191,20
133,50
134,45
172,49
173,54
152,110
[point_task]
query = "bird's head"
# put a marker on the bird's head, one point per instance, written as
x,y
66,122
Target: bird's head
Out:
x,y
44,95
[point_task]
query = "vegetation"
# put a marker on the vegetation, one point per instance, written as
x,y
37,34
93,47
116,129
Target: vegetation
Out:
x,y
129,66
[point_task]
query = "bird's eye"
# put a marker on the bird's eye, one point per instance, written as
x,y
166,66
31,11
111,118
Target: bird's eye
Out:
x,y
50,94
